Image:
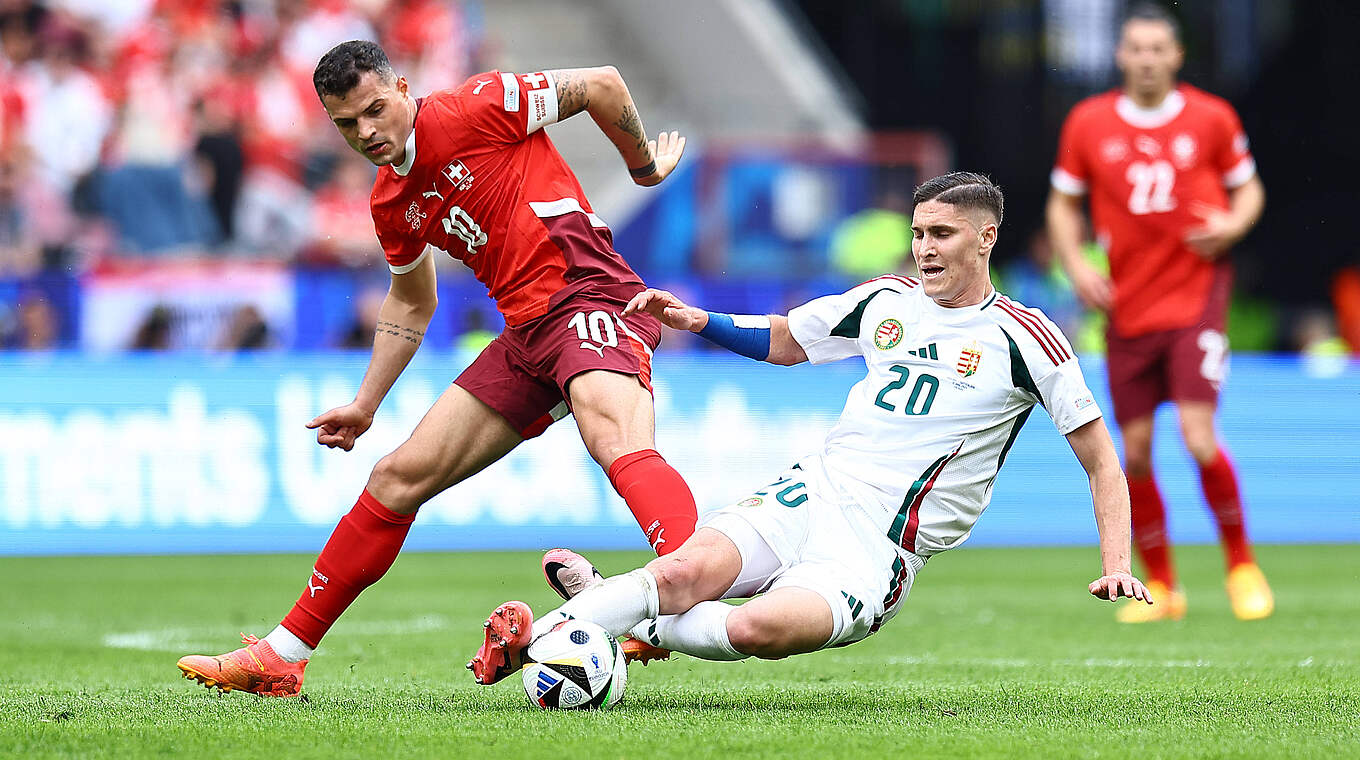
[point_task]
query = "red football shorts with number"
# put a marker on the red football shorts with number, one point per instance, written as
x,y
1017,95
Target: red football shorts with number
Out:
x,y
1184,364
523,374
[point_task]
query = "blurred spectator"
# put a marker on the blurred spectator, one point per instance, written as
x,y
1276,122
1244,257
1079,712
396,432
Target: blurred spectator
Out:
x,y
154,332
219,161
366,307
342,227
247,331
1346,299
32,326
874,241
475,336
66,114
20,250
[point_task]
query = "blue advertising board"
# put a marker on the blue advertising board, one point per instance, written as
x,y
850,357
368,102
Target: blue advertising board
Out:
x,y
207,453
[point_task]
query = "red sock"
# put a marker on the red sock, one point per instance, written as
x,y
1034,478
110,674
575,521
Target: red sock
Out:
x,y
1149,530
360,550
660,500
1220,490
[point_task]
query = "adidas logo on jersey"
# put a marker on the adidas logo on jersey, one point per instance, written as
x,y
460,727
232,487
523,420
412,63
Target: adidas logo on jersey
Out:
x,y
926,352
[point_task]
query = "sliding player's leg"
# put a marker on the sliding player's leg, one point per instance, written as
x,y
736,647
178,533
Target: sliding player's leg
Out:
x,y
704,568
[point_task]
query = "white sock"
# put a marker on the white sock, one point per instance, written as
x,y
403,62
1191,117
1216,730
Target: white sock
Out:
x,y
701,632
287,645
616,603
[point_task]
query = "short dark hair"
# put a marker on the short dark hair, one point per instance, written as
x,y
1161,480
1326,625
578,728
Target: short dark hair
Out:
x,y
1145,10
963,189
339,70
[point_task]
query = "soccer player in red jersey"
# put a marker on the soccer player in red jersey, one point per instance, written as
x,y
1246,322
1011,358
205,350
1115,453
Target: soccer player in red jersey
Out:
x,y
1172,187
469,173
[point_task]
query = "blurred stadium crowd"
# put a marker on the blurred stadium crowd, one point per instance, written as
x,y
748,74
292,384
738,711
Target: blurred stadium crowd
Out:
x,y
137,134
157,127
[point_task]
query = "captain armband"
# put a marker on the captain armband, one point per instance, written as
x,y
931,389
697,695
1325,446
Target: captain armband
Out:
x,y
745,334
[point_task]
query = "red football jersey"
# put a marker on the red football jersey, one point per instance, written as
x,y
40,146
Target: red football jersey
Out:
x,y
482,182
1145,169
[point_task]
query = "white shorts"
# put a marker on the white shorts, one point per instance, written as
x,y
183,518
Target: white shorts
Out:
x,y
791,535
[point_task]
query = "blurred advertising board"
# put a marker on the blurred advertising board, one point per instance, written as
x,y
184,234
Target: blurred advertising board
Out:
x,y
198,299
208,453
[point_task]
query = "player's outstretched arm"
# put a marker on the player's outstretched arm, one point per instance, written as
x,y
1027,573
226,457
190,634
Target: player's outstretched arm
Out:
x,y
1110,495
765,338
602,92
402,320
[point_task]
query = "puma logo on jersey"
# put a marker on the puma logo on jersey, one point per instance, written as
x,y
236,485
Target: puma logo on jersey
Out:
x,y
597,349
480,84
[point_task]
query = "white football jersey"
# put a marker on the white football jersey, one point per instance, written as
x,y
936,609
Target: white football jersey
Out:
x,y
924,434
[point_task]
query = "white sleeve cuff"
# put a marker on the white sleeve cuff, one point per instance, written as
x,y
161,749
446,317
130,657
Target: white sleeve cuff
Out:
x,y
404,268
1065,182
1240,174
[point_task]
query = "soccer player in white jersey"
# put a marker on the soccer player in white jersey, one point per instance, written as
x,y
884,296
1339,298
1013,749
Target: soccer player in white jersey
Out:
x,y
830,549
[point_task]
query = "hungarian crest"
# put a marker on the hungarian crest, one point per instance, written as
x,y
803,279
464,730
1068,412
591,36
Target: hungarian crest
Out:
x,y
888,334
969,359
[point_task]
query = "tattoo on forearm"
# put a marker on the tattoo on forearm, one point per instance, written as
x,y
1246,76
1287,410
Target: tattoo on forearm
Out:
x,y
632,126
406,333
571,94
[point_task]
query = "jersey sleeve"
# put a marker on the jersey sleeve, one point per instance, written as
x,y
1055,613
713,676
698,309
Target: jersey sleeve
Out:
x,y
403,252
505,107
1070,173
1044,366
1234,160
828,328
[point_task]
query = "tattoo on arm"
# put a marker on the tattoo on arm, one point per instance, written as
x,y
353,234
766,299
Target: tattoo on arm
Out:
x,y
571,93
632,125
407,333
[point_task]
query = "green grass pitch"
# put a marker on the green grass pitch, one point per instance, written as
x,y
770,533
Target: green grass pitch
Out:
x,y
997,653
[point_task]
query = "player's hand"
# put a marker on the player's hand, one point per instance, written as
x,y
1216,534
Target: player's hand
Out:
x,y
671,311
666,151
1217,231
1119,584
338,428
1093,288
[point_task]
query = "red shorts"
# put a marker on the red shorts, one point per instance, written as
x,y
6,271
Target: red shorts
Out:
x,y
523,373
1188,364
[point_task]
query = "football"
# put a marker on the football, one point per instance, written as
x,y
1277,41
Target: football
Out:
x,y
575,666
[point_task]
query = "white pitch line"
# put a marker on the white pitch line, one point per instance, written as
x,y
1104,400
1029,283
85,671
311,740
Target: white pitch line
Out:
x,y
202,638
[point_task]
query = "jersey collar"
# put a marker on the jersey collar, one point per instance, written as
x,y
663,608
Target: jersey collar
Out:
x,y
404,167
960,312
1150,118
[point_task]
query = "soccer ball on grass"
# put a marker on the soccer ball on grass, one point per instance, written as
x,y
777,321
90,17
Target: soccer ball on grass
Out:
x,y
576,666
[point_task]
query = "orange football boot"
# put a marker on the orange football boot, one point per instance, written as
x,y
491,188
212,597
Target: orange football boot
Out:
x,y
637,650
255,668
508,632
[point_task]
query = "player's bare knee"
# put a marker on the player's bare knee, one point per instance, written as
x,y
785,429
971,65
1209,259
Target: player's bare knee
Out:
x,y
398,484
755,635
677,583
1203,448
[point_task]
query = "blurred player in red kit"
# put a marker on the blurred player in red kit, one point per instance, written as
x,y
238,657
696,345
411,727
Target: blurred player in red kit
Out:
x,y
469,173
1172,187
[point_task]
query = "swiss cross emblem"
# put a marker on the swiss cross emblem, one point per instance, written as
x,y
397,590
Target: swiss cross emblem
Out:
x,y
458,175
535,81
969,359
888,334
